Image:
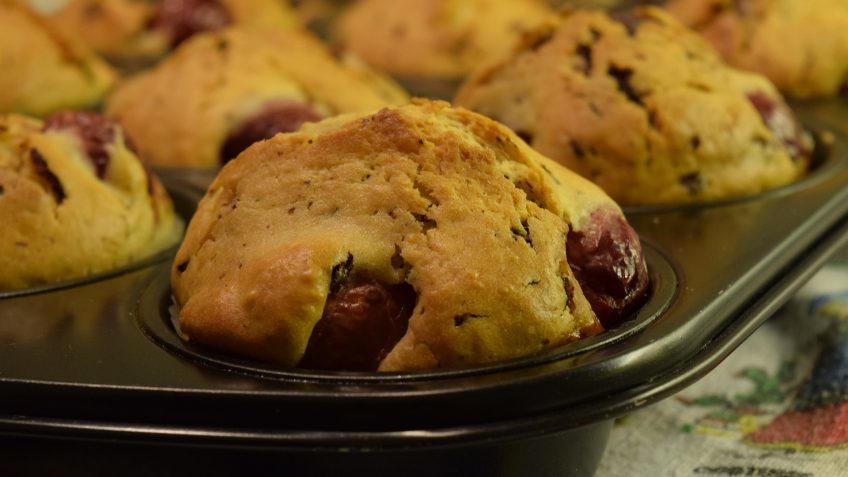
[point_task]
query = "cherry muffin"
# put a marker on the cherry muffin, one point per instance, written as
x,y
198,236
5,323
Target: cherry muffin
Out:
x,y
435,38
138,29
42,71
800,45
115,29
643,107
220,92
75,200
413,238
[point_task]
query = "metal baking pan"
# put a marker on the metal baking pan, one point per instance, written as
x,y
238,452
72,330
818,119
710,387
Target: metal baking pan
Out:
x,y
92,376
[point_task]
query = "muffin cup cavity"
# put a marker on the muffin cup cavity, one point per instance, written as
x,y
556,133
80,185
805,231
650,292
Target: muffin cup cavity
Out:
x,y
158,318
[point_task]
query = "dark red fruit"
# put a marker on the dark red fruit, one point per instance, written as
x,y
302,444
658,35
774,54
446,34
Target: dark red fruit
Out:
x,y
94,131
782,122
181,19
278,117
362,322
606,258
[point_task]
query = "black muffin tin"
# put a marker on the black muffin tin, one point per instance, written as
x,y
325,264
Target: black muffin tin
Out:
x,y
93,378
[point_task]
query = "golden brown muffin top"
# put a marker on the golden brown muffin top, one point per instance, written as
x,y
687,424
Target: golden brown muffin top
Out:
x,y
800,45
114,28
144,30
425,196
42,71
436,38
643,107
182,112
75,200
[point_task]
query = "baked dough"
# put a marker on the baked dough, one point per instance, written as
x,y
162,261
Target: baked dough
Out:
x,y
143,29
74,206
42,71
182,112
436,38
643,107
116,29
445,209
800,45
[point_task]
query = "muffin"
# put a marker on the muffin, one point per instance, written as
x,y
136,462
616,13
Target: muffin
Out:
x,y
139,29
643,107
800,45
413,238
75,200
117,29
220,92
41,71
442,39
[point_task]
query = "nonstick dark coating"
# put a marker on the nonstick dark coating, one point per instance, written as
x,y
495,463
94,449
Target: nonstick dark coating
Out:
x,y
94,369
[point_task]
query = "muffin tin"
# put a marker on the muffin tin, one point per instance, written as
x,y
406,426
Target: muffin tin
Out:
x,y
98,360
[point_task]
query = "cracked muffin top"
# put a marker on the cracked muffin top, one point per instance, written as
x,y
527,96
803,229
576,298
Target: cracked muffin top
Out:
x,y
42,71
800,45
220,92
75,200
435,38
138,29
643,107
413,238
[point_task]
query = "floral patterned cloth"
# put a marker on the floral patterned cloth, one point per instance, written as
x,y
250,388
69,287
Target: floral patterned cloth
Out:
x,y
777,407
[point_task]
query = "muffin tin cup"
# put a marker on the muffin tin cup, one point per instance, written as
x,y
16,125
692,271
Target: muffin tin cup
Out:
x,y
158,317
99,361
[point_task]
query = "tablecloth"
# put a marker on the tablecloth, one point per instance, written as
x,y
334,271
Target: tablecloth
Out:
x,y
777,406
